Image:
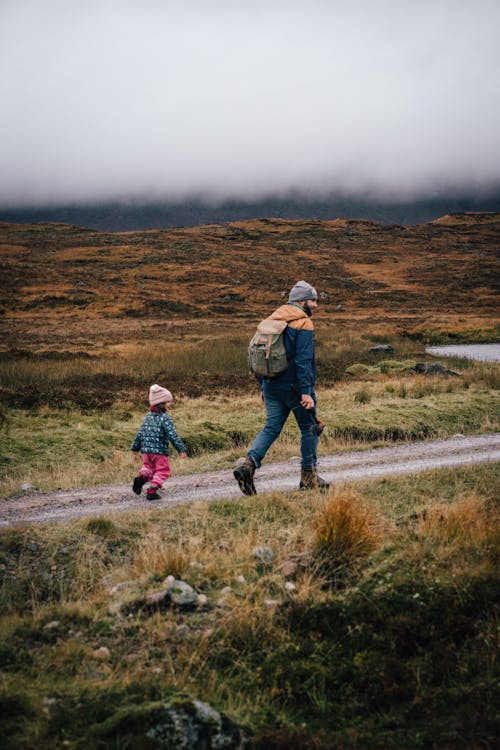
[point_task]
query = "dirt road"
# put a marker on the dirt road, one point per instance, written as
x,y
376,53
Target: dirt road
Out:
x,y
348,467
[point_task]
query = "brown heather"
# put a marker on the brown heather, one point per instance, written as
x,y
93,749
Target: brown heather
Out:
x,y
69,290
346,531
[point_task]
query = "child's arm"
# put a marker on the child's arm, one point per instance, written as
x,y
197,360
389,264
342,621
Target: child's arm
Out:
x,y
172,435
136,445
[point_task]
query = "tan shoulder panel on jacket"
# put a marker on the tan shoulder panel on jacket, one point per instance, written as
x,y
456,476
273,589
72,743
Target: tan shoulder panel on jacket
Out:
x,y
302,324
294,316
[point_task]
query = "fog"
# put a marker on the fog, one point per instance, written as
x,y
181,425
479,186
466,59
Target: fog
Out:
x,y
160,100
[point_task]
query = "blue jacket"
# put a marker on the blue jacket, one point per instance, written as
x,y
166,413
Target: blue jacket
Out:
x,y
155,433
299,344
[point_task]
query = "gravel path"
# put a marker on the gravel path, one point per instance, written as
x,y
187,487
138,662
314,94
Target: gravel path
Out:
x,y
347,467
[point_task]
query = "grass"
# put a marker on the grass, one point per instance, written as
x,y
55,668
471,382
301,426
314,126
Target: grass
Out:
x,y
194,366
62,448
374,657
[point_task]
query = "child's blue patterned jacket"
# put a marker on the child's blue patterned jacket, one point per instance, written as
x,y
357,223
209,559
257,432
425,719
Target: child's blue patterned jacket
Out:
x,y
155,433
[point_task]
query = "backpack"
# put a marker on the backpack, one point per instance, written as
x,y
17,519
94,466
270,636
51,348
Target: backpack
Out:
x,y
266,351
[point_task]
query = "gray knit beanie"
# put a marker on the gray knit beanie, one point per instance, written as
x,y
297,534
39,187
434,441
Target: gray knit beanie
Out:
x,y
302,291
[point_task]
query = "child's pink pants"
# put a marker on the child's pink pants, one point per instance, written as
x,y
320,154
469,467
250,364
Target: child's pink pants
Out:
x,y
155,468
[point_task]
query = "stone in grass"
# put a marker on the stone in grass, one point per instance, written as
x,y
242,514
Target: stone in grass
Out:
x,y
264,554
288,568
271,604
173,591
179,724
102,654
178,592
182,594
53,625
422,368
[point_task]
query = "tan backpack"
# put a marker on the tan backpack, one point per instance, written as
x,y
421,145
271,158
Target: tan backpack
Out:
x,y
266,351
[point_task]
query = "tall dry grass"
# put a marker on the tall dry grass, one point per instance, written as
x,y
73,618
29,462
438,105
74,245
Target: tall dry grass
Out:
x,y
346,531
465,534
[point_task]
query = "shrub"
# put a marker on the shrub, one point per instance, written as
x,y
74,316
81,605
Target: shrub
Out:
x,y
363,396
469,527
101,527
345,531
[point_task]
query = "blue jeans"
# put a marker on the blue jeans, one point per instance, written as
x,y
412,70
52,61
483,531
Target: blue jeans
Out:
x,y
279,403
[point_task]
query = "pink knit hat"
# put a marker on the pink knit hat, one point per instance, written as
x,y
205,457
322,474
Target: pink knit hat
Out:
x,y
159,395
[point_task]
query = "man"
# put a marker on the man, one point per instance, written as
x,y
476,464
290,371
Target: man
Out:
x,y
291,391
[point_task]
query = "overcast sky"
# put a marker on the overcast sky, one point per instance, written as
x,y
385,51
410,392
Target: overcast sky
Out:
x,y
154,99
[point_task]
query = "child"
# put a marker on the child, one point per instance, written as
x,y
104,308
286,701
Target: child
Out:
x,y
152,439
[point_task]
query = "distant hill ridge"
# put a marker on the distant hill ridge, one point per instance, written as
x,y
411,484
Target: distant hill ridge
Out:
x,y
130,216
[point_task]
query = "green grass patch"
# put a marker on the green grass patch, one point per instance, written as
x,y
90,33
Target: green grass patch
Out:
x,y
54,448
436,336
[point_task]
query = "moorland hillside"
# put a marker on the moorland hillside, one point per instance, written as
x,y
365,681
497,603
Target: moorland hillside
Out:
x,y
355,619
68,288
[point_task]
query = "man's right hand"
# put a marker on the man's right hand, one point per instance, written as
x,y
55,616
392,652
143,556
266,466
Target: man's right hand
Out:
x,y
307,401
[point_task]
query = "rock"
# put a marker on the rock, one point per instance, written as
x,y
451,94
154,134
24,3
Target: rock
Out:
x,y
271,603
102,653
241,579
52,625
264,554
182,594
289,568
289,586
27,487
201,600
422,368
226,590
179,724
381,348
195,725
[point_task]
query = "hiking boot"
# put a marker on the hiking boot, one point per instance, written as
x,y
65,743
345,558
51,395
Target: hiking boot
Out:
x,y
309,480
138,484
244,476
151,493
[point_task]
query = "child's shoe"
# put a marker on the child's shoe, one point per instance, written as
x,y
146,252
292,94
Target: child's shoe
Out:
x,y
138,484
151,492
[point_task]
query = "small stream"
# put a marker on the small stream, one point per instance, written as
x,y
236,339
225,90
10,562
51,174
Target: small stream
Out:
x,y
481,352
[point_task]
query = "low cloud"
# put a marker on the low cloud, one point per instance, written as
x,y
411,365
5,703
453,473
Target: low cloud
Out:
x,y
160,100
